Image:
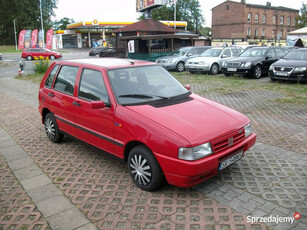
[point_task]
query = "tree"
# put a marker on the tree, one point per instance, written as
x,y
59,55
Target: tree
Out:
x,y
27,15
186,10
301,20
62,23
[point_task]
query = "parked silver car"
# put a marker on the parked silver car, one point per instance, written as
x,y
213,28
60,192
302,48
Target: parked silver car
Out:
x,y
211,60
176,60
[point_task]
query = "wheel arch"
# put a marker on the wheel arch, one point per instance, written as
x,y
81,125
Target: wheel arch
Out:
x,y
130,145
45,111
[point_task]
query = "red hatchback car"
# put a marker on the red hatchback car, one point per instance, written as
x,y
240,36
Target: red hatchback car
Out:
x,y
139,112
31,53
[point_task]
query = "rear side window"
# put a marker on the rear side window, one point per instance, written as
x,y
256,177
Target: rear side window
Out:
x,y
65,81
49,80
92,87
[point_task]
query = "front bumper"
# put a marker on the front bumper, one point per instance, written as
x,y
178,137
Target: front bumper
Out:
x,y
293,76
195,68
240,70
168,66
189,173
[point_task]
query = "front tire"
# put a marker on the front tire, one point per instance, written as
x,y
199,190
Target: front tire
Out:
x,y
52,129
29,58
180,66
144,169
52,57
257,72
214,70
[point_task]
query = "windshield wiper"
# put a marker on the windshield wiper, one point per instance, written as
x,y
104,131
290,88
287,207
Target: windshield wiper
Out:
x,y
142,96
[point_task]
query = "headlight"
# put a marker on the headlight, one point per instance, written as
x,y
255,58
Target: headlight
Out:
x,y
195,153
300,69
248,130
169,61
202,63
247,64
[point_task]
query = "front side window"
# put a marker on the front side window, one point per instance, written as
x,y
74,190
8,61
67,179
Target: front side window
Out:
x,y
49,80
92,87
271,53
65,81
226,53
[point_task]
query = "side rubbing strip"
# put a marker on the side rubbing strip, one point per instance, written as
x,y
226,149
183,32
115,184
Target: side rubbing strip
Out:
x,y
88,131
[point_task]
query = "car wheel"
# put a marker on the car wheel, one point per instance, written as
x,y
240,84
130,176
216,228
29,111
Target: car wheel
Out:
x,y
144,169
52,57
180,66
192,72
29,58
214,70
52,129
257,72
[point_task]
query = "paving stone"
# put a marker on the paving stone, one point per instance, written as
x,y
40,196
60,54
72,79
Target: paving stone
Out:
x,y
44,192
12,153
20,163
35,181
28,172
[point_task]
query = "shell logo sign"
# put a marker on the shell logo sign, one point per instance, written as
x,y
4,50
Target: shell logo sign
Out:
x,y
95,22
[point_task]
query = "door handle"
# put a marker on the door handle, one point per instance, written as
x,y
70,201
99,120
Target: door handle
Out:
x,y
76,103
51,94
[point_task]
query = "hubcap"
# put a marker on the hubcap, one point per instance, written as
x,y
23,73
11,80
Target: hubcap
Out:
x,y
140,169
50,129
180,67
258,72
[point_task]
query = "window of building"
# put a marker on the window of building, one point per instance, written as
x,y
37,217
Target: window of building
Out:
x,y
281,34
289,21
249,32
263,33
249,17
256,32
256,18
274,19
294,21
273,34
227,7
281,20
263,18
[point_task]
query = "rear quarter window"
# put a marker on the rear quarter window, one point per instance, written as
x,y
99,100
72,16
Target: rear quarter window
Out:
x,y
49,80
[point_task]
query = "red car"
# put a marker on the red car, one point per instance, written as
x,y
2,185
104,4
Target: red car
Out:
x,y
31,53
139,112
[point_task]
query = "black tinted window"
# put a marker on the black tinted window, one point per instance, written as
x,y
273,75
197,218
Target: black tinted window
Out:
x,y
92,86
50,77
66,79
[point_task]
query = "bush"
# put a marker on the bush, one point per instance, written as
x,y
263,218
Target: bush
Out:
x,y
41,65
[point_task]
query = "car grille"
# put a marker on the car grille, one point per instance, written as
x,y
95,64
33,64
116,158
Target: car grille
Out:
x,y
233,64
227,141
283,69
161,61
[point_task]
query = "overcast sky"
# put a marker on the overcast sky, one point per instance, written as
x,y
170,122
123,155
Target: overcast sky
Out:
x,y
124,10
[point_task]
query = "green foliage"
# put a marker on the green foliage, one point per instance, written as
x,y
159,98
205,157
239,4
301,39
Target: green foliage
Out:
x,y
62,23
186,10
301,20
27,15
41,65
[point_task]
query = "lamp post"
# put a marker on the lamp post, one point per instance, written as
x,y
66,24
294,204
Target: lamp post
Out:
x,y
40,5
15,33
175,1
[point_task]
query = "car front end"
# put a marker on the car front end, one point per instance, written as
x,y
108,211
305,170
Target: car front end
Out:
x,y
168,62
237,66
288,72
199,64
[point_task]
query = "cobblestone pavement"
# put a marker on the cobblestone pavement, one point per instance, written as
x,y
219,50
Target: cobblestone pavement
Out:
x,y
268,181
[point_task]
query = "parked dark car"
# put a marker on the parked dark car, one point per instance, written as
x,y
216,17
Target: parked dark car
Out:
x,y
107,52
95,51
254,61
176,60
292,67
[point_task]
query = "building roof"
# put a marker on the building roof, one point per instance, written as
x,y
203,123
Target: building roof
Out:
x,y
147,25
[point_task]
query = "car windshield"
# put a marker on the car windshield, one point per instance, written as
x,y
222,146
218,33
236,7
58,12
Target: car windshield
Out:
x,y
296,55
211,53
254,52
179,52
139,85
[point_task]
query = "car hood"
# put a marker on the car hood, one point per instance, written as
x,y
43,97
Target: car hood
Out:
x,y
291,63
246,59
198,121
206,59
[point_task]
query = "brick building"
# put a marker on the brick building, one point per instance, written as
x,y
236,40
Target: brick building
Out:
x,y
243,23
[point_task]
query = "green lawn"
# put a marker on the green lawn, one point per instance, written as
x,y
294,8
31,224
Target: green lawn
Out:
x,y
9,49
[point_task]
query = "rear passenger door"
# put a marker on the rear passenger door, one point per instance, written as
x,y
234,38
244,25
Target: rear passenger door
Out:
x,y
95,122
61,98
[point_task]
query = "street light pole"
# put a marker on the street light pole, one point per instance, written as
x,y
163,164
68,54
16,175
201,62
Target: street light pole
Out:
x,y
175,1
40,3
15,33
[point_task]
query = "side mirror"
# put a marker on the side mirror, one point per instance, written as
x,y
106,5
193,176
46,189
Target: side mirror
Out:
x,y
188,87
98,104
268,57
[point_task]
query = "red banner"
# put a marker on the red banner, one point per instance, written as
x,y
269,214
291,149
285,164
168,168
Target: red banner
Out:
x,y
34,38
21,40
49,39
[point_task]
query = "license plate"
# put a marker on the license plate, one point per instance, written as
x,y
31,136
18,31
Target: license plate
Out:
x,y
230,160
232,69
283,74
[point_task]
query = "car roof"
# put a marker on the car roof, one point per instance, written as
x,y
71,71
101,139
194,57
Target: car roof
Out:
x,y
109,63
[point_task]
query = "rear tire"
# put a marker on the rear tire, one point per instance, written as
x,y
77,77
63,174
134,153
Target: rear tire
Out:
x,y
52,57
144,169
52,129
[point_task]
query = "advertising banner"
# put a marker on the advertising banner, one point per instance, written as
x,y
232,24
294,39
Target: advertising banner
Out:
x,y
40,39
34,38
21,40
142,5
28,39
49,39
